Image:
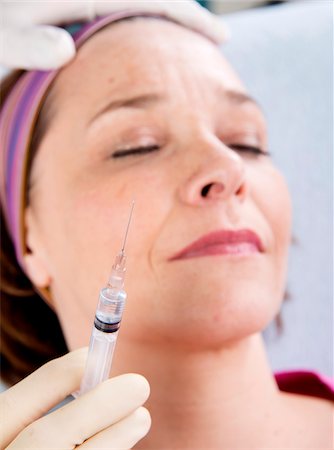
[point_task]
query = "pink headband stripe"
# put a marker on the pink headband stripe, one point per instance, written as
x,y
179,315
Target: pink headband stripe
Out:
x,y
20,111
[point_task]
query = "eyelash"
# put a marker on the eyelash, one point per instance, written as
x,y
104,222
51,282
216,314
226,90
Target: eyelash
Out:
x,y
151,148
249,148
135,151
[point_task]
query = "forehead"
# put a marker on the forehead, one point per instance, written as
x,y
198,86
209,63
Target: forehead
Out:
x,y
144,54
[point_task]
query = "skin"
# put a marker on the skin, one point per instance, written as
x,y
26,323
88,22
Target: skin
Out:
x,y
190,326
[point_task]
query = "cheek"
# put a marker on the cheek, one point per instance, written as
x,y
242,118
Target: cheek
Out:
x,y
272,197
84,219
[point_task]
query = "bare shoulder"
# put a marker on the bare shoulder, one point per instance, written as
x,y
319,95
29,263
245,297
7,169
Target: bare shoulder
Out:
x,y
312,420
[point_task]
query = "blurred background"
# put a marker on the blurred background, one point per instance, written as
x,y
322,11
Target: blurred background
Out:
x,y
222,6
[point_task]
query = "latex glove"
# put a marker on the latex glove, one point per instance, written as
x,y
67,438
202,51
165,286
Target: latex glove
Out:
x,y
28,41
108,416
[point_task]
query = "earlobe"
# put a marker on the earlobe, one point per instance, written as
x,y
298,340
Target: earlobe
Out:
x,y
34,260
36,270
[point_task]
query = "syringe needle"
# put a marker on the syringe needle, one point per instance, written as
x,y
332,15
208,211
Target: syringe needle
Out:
x,y
128,225
119,264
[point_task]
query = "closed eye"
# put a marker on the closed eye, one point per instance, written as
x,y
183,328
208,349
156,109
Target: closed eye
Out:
x,y
151,148
135,151
249,149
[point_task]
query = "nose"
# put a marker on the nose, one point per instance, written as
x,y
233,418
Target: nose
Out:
x,y
220,177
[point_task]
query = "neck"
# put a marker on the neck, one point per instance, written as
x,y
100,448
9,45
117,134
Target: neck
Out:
x,y
205,399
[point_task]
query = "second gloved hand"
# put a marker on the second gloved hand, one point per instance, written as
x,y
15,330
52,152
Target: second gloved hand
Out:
x,y
30,41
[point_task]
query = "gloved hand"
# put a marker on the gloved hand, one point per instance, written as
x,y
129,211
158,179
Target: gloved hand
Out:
x,y
28,41
108,416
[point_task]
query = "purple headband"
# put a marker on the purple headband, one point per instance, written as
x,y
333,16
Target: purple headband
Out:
x,y
17,120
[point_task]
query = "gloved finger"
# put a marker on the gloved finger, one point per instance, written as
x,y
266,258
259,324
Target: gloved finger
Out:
x,y
108,403
39,392
37,47
187,12
123,435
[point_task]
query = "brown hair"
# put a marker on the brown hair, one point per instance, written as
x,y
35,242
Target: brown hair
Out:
x,y
29,330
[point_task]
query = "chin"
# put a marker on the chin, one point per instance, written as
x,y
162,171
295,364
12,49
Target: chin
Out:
x,y
211,321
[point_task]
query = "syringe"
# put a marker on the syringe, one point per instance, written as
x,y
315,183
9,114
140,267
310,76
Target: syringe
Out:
x,y
107,321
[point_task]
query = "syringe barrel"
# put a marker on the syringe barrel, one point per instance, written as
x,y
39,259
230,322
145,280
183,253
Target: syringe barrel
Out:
x,y
101,350
103,339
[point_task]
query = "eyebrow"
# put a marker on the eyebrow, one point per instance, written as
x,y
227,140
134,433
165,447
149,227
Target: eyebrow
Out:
x,y
138,101
141,101
239,97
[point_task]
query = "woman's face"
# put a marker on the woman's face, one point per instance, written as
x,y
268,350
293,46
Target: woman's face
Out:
x,y
151,84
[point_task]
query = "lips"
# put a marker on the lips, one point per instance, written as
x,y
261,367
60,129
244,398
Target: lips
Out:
x,y
223,242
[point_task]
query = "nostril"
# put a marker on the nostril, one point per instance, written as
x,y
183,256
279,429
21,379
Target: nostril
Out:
x,y
212,189
241,190
205,190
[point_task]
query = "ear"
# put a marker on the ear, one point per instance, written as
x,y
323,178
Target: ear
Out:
x,y
34,260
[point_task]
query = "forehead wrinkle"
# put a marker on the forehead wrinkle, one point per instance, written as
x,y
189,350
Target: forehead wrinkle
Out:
x,y
133,73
